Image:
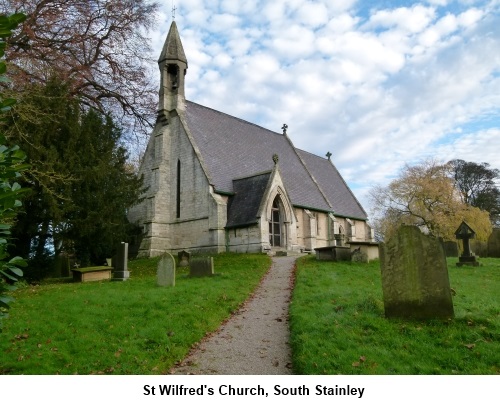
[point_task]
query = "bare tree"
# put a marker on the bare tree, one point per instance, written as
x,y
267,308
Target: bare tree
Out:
x,y
98,47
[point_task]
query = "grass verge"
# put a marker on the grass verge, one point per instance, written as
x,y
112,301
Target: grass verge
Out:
x,y
132,327
338,326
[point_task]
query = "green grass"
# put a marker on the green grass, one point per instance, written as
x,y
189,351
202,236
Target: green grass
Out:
x,y
132,327
338,326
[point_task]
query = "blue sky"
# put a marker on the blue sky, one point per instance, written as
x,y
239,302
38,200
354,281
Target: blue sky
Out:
x,y
377,83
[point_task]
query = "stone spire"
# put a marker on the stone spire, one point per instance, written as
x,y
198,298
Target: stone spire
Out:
x,y
172,49
173,66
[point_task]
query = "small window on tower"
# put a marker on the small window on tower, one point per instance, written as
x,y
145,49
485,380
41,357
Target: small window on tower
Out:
x,y
173,76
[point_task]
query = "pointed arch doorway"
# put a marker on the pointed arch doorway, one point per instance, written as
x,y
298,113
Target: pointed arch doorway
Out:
x,y
276,236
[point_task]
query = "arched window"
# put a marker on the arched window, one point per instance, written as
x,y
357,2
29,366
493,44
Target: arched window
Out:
x,y
275,236
178,194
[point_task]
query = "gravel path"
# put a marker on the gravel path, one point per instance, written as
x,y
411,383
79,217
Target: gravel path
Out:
x,y
255,340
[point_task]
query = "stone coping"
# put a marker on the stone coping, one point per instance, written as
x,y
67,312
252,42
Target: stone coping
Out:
x,y
357,243
95,273
92,268
331,247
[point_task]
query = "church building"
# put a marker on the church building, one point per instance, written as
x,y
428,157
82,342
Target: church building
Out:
x,y
218,183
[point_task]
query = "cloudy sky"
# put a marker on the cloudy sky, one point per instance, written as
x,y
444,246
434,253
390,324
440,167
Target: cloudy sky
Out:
x,y
377,83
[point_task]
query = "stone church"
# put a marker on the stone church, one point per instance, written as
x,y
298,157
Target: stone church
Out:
x,y
218,183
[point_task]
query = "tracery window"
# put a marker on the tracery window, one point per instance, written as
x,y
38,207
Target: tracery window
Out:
x,y
275,224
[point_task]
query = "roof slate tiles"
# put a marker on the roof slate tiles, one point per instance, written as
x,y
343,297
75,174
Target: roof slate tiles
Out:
x,y
339,194
233,148
243,207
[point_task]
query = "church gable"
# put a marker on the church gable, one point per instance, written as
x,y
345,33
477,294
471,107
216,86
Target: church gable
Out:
x,y
243,206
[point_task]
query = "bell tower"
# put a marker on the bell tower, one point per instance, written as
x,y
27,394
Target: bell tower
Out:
x,y
161,166
173,66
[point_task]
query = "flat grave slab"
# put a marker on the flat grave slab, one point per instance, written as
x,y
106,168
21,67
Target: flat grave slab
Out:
x,y
95,273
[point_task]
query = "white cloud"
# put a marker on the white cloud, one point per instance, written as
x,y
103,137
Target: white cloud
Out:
x,y
341,23
339,6
223,22
294,42
413,20
312,14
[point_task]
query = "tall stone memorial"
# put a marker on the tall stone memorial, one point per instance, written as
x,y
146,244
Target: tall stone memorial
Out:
x,y
120,263
415,279
165,275
465,233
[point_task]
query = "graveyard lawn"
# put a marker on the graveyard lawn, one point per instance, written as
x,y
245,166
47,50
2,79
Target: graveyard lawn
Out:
x,y
132,327
338,326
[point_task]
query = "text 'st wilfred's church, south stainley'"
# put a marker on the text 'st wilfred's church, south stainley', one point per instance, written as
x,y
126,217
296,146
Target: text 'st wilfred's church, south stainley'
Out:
x,y
218,183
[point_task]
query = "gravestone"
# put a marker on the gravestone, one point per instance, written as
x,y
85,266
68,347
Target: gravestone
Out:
x,y
165,275
494,243
465,233
415,279
357,256
201,267
450,248
183,257
62,265
120,263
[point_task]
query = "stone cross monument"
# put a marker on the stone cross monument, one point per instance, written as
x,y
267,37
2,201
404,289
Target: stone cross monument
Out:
x,y
465,233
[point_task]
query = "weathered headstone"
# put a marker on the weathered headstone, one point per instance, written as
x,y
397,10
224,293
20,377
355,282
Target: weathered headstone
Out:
x,y
201,267
450,248
357,256
465,233
62,265
183,257
494,243
415,279
165,275
120,263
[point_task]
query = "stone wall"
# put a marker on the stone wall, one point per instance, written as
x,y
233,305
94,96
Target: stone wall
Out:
x,y
200,225
245,240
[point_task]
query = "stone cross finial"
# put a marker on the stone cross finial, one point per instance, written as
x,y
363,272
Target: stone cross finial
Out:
x,y
284,128
276,158
328,155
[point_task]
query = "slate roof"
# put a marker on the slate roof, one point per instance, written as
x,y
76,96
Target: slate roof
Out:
x,y
333,185
243,207
232,148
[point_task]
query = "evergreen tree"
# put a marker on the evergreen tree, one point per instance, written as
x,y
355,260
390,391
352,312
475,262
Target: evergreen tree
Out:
x,y
80,181
105,188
